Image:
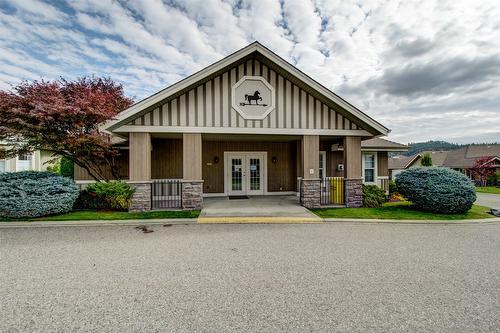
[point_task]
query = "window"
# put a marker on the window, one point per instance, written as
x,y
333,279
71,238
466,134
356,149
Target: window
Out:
x,y
23,162
322,164
369,168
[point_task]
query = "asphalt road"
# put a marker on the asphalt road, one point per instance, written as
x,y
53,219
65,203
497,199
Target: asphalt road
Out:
x,y
216,278
488,200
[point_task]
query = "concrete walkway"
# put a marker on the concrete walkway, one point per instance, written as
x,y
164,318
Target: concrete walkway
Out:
x,y
263,209
488,200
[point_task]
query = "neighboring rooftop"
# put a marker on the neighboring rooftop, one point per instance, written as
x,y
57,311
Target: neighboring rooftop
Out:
x,y
383,144
462,158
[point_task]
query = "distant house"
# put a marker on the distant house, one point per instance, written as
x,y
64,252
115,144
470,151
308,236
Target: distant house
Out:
x,y
33,161
462,159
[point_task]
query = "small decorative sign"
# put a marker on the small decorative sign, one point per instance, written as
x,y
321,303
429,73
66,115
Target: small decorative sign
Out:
x,y
253,97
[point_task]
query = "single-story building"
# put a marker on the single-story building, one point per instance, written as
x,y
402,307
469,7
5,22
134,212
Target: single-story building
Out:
x,y
462,159
249,124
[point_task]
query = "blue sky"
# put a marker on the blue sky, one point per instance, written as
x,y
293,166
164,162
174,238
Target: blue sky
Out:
x,y
426,69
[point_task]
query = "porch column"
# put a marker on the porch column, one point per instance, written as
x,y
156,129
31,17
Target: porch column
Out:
x,y
310,185
140,170
192,182
354,174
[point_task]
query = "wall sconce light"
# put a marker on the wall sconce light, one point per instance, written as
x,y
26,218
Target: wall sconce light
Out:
x,y
216,159
274,159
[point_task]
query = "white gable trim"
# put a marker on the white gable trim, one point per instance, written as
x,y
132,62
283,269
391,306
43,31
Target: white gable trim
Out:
x,y
214,68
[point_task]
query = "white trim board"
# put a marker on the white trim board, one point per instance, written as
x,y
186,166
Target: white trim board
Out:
x,y
225,62
238,130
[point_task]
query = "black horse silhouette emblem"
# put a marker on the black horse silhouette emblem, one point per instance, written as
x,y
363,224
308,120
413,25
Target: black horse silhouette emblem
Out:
x,y
255,97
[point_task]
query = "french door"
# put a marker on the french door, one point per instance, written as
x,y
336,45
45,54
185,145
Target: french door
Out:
x,y
245,173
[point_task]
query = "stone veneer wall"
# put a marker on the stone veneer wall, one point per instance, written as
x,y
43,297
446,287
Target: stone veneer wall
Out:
x,y
141,199
354,193
311,193
192,194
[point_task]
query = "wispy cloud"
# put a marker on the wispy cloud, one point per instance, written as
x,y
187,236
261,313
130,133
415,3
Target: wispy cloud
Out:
x,y
427,69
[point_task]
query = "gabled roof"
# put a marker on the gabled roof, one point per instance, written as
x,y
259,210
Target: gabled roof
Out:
x,y
403,162
154,99
382,144
466,157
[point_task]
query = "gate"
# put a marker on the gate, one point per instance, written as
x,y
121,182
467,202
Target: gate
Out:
x,y
166,193
332,191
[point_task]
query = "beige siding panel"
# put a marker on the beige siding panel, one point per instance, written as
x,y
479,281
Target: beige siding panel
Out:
x,y
257,68
288,104
140,156
225,100
156,117
200,112
233,115
273,115
217,102
164,115
352,151
310,156
296,107
173,113
280,102
183,110
347,123
265,74
303,108
190,105
326,117
333,118
317,113
191,156
137,121
340,121
310,111
208,103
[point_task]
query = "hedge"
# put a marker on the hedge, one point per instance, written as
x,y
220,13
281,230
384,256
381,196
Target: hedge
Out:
x,y
29,194
439,190
373,196
112,195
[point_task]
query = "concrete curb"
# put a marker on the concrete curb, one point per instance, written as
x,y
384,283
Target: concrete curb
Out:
x,y
227,220
494,220
94,223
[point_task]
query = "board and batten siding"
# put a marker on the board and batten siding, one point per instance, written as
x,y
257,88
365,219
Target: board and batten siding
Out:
x,y
209,105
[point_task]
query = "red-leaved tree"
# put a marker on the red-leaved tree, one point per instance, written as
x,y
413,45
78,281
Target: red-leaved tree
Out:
x,y
63,117
483,167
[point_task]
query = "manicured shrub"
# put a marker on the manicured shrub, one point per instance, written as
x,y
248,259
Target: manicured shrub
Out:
x,y
373,196
28,194
112,195
67,167
392,187
439,190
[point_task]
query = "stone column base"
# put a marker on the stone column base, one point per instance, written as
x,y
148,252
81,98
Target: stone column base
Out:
x,y
311,193
354,193
192,194
141,199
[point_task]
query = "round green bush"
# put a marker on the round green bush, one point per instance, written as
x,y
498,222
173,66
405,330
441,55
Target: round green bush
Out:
x,y
28,194
438,190
112,195
373,196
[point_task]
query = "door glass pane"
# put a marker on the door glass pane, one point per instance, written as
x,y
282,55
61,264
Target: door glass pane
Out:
x,y
236,174
255,174
369,175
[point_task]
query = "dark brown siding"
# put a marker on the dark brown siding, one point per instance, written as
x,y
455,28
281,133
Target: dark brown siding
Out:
x,y
121,161
166,159
382,163
282,176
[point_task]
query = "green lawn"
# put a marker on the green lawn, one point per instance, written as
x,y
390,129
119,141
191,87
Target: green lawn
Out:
x,y
110,215
488,189
399,211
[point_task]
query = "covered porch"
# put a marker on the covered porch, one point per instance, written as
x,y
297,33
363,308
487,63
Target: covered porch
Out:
x,y
177,170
